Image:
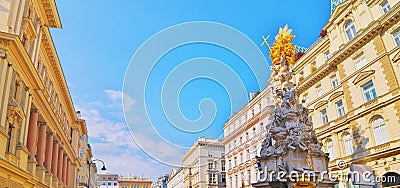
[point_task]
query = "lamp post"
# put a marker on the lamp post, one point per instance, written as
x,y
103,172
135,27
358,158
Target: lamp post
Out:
x,y
90,166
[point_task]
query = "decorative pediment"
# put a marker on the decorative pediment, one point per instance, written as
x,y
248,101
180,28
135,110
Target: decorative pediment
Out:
x,y
15,114
338,10
363,75
320,104
335,95
396,58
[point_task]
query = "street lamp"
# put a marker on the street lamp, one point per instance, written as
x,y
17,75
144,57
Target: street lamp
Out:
x,y
90,166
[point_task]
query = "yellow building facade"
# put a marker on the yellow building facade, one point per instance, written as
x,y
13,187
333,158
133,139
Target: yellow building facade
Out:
x,y
134,182
39,129
349,79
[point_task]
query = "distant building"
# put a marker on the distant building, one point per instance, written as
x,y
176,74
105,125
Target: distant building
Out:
x,y
134,182
204,164
244,133
161,182
108,180
85,156
175,179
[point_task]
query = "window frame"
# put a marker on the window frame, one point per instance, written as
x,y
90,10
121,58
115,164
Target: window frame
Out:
x,y
348,144
349,26
330,149
340,109
324,116
396,37
379,122
385,6
370,90
334,81
319,90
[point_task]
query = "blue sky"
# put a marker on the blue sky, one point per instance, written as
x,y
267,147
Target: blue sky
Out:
x,y
99,39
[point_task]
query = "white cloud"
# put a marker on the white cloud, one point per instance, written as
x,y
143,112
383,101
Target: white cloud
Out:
x,y
119,96
112,142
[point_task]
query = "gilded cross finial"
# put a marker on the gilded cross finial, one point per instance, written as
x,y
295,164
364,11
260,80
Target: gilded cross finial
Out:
x,y
266,42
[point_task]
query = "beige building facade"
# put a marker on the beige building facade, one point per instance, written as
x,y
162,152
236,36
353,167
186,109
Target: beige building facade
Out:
x,y
349,80
175,179
204,164
39,129
244,133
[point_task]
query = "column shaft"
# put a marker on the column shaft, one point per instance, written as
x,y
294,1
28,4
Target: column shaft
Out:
x,y
41,148
32,131
49,152
60,164
64,177
54,160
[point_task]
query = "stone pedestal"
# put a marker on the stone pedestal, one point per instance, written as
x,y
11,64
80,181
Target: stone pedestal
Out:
x,y
32,166
48,178
54,182
40,173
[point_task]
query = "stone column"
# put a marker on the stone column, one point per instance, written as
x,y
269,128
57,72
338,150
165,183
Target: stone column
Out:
x,y
68,181
64,177
32,130
54,160
60,163
49,152
41,148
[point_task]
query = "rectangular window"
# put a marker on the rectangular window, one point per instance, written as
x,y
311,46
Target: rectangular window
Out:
x,y
237,181
348,144
360,62
369,91
324,116
248,154
340,108
319,91
235,160
330,150
212,178
223,165
396,36
327,55
380,133
385,7
223,178
210,165
335,82
249,176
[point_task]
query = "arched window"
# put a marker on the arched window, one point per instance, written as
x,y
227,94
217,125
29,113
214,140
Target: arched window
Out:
x,y
380,131
350,30
329,148
348,144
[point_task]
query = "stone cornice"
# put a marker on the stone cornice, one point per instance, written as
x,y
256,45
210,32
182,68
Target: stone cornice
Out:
x,y
49,13
58,75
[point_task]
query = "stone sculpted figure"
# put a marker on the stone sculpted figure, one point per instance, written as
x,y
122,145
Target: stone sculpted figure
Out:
x,y
267,148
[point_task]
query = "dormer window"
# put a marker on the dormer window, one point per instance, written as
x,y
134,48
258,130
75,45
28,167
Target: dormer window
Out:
x,y
350,30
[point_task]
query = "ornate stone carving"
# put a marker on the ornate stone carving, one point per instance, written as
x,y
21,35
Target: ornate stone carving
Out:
x,y
290,144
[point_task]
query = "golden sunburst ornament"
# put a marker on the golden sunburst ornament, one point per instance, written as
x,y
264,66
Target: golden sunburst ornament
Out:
x,y
283,46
